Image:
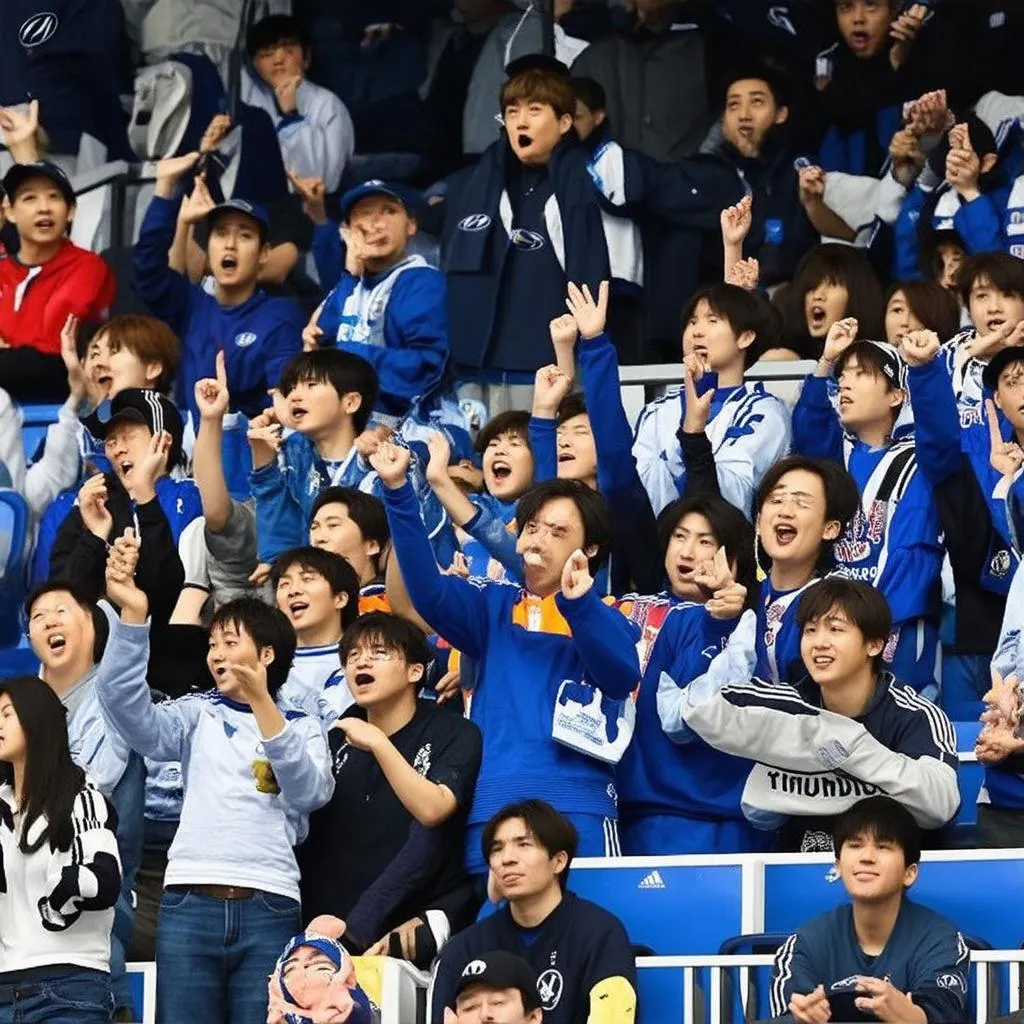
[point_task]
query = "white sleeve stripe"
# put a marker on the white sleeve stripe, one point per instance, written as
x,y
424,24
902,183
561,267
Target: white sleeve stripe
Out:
x,y
783,973
941,727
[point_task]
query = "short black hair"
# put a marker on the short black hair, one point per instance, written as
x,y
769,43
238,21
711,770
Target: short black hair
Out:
x,y
842,497
932,304
572,405
758,71
883,818
100,623
869,357
512,421
268,627
1002,270
731,528
345,372
589,92
744,311
554,831
366,511
274,29
391,632
340,576
861,603
593,509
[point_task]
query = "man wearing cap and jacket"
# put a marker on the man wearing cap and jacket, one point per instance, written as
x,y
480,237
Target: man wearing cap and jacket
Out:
x,y
497,987
258,333
48,280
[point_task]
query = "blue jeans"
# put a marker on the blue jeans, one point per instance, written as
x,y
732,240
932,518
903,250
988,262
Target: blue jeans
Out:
x,y
213,956
81,997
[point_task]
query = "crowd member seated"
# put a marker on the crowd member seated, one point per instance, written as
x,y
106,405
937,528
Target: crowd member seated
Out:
x,y
848,731
48,280
881,956
496,986
580,952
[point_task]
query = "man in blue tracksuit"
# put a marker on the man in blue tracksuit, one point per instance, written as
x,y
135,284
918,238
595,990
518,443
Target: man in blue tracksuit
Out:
x,y
551,657
880,956
257,333
893,541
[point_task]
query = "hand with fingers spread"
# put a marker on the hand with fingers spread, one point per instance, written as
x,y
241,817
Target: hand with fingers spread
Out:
x,y
440,452
211,393
550,388
576,578
313,194
92,507
196,206
77,383
1005,457
985,346
170,171
590,315
697,410
812,1008
264,436
122,561
144,476
736,221
841,335
919,348
391,461
885,1002
745,274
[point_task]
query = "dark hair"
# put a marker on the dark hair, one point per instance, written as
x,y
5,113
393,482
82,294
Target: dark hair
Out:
x,y
52,780
147,338
537,85
366,511
275,29
589,92
757,71
391,632
744,311
268,627
842,498
345,372
731,529
930,257
340,576
554,831
512,421
932,304
593,510
862,604
572,405
100,624
884,818
1003,271
834,264
869,357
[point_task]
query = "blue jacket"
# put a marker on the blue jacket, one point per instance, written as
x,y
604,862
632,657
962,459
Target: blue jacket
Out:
x,y
520,671
398,322
258,337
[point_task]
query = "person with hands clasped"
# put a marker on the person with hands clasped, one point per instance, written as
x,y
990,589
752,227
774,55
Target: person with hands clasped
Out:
x,y
893,541
550,654
879,957
256,767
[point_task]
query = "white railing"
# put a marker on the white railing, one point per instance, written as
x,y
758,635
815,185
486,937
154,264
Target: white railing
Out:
x,y
989,983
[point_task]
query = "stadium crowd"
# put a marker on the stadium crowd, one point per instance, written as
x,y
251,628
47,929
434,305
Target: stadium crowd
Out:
x,y
354,606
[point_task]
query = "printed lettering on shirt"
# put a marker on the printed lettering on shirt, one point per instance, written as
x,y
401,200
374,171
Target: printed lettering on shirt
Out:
x,y
475,222
549,987
820,787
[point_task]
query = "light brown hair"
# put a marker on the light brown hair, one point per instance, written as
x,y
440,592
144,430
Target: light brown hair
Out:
x,y
540,86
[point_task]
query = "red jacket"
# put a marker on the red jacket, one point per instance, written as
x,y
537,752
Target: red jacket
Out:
x,y
35,301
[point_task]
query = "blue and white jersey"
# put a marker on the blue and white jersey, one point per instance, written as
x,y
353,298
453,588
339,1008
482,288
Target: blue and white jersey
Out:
x,y
965,372
317,684
95,746
749,431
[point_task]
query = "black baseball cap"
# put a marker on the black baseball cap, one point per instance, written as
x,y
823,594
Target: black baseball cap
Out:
x,y
20,173
140,405
501,970
253,210
999,362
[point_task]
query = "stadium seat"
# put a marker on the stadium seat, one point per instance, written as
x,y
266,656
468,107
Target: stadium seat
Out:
x,y
14,518
972,778
142,977
35,420
673,905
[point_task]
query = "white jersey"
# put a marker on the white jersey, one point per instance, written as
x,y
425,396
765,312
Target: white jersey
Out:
x,y
317,683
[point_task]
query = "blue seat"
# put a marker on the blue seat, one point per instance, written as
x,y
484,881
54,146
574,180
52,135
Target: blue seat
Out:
x,y
966,735
759,990
660,995
671,905
973,891
35,420
14,518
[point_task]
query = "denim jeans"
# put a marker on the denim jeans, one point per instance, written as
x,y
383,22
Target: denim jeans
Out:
x,y
82,997
213,956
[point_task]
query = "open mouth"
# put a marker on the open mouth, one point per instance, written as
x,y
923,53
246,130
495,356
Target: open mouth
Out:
x,y
995,323
297,412
785,534
685,569
56,641
566,457
126,466
818,315
533,558
228,264
104,379
220,671
524,140
501,471
296,608
860,40
364,679
45,224
823,660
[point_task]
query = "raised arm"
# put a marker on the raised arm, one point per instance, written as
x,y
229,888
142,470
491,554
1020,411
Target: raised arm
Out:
x,y
212,401
816,427
936,419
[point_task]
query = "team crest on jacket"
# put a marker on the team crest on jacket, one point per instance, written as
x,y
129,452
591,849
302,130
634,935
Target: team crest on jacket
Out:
x,y
528,241
549,988
421,762
38,29
475,222
245,339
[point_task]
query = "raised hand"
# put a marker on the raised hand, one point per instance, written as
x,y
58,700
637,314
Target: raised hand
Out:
x,y
563,336
1005,457
264,436
313,195
195,207
311,335
907,158
440,455
590,316
77,384
153,466
391,461
19,126
355,250
903,31
366,443
459,566
218,127
576,578
550,387
985,346
211,393
841,335
812,185
170,171
285,94
745,274
726,597
736,221
252,682
928,114
963,165
92,507
122,561
919,348
697,410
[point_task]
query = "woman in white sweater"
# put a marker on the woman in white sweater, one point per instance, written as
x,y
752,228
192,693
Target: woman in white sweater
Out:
x,y
60,874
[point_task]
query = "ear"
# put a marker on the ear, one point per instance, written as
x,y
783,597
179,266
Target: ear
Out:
x,y
152,371
988,161
560,862
995,398
831,531
415,673
564,123
600,116
910,876
782,115
534,1016
264,257
266,656
897,397
875,647
746,339
371,547
412,227
590,550
351,402
341,600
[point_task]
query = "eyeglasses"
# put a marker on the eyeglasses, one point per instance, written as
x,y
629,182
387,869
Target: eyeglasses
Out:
x,y
377,654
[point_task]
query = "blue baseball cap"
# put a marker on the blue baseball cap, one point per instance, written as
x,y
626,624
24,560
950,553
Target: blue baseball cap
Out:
x,y
20,173
375,187
253,210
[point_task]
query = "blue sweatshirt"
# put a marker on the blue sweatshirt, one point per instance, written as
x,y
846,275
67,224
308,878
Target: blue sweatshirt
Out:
x,y
258,337
778,633
398,322
520,671
893,541
655,775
